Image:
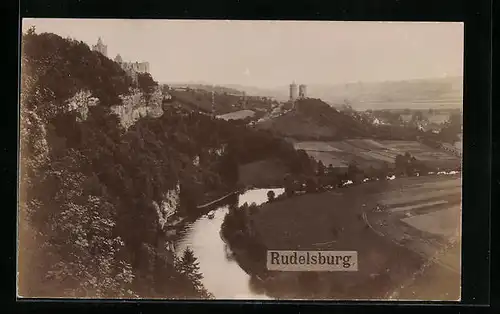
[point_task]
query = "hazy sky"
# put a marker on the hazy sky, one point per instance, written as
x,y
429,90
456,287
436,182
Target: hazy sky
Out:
x,y
273,53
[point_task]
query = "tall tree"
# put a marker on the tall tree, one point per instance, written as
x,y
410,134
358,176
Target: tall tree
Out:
x,y
188,266
383,172
321,168
289,185
353,172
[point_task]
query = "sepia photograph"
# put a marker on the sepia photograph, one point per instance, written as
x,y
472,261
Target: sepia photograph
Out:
x,y
239,159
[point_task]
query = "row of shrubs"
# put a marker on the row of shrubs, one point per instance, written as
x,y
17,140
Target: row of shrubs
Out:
x,y
327,179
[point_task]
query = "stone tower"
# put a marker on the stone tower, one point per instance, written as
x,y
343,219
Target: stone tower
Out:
x,y
293,91
302,91
118,59
100,47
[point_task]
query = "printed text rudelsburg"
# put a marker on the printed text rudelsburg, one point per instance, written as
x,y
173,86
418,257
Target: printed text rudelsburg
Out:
x,y
312,260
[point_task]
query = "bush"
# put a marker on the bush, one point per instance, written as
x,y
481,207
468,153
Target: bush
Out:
x,y
270,196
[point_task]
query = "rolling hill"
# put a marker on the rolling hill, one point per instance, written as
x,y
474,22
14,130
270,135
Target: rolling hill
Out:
x,y
200,99
315,119
208,88
279,93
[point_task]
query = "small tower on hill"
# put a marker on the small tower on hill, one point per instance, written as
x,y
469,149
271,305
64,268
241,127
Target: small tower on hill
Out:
x,y
101,47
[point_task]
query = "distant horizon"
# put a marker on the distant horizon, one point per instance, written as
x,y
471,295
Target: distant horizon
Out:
x,y
195,82
270,54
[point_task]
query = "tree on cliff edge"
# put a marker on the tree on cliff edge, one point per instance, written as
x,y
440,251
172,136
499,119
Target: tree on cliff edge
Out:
x,y
188,265
146,83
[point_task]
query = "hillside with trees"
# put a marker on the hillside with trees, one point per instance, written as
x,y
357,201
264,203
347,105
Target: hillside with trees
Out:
x,y
89,189
94,194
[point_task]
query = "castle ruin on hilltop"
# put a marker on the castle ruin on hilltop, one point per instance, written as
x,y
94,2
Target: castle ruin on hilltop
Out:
x,y
131,68
100,47
302,91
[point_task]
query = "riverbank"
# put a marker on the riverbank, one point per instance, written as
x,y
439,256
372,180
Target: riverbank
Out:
x,y
246,261
178,222
203,237
214,203
205,204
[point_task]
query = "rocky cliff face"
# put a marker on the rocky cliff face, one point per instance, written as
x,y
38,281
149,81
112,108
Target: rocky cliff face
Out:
x,y
33,143
136,105
169,205
80,104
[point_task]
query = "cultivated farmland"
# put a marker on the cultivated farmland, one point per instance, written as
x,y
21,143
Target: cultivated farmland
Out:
x,y
371,153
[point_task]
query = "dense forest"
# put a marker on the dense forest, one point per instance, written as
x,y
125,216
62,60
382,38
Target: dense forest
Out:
x,y
93,193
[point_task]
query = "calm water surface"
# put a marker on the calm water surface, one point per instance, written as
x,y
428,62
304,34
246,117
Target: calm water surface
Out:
x,y
223,277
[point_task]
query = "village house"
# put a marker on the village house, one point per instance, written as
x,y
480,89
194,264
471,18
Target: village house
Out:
x,y
430,126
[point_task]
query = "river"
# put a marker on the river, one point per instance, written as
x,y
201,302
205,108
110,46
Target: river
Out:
x,y
222,276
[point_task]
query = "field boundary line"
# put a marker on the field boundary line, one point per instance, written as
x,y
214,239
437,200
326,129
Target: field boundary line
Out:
x,y
365,219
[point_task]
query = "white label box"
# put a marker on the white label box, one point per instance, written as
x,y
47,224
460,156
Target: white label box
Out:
x,y
312,260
